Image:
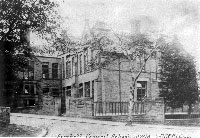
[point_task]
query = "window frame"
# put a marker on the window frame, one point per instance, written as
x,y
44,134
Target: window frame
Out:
x,y
68,91
54,71
31,89
141,91
80,64
87,89
45,75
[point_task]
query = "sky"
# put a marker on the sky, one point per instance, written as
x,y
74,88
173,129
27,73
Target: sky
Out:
x,y
171,17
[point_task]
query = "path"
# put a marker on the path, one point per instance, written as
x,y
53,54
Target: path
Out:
x,y
66,126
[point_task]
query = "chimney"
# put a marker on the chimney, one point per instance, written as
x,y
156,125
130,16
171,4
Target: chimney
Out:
x,y
135,26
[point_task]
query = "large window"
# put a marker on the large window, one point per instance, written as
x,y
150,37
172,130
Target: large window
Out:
x,y
68,91
68,69
141,90
45,70
87,89
54,70
29,89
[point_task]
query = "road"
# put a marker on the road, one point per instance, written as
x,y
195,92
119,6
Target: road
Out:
x,y
79,127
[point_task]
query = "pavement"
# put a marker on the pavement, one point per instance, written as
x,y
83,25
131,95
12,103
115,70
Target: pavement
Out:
x,y
59,126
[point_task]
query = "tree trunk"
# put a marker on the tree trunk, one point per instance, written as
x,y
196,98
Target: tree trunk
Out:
x,y
131,102
130,109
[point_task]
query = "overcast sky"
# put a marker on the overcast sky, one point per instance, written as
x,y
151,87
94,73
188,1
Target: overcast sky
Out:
x,y
172,17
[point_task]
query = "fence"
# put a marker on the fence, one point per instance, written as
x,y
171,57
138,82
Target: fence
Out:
x,y
116,108
182,113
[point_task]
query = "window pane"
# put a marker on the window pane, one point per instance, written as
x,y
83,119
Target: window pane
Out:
x,y
87,89
141,90
73,66
31,75
68,91
32,89
45,70
80,60
63,67
55,70
26,90
92,88
68,69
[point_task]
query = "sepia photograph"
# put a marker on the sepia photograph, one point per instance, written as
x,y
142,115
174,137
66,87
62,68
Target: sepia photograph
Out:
x,y
100,68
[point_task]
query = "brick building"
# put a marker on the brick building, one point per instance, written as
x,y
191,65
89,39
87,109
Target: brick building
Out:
x,y
84,81
41,86
75,83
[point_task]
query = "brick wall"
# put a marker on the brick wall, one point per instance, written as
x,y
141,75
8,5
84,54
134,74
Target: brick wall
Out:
x,y
110,83
154,110
80,108
4,116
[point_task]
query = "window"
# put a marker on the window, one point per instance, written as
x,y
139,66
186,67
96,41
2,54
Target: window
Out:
x,y
85,64
63,67
68,91
29,102
28,74
54,70
68,69
87,89
92,88
141,62
55,92
45,70
80,61
29,89
80,91
45,91
73,66
141,90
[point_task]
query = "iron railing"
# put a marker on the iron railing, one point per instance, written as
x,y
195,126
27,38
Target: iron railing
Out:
x,y
182,113
117,108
